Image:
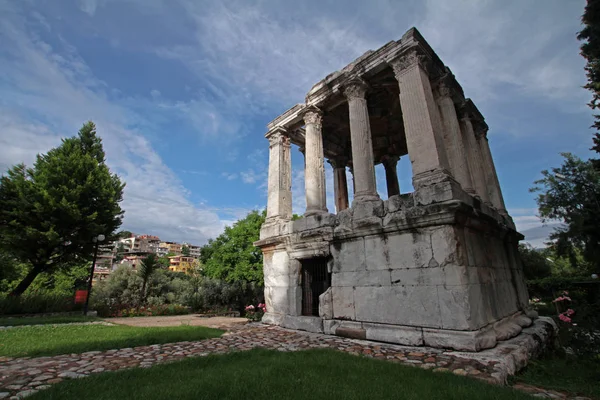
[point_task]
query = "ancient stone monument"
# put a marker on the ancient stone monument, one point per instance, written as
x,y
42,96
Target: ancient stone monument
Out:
x,y
436,267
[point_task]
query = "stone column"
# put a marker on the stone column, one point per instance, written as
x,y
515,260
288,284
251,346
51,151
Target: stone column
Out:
x,y
475,159
365,188
279,200
351,169
314,169
455,151
340,185
390,164
422,122
494,190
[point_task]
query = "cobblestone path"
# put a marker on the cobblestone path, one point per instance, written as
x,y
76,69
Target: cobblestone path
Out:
x,y
20,377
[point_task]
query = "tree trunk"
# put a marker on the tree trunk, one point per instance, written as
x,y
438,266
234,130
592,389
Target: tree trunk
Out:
x,y
24,284
143,294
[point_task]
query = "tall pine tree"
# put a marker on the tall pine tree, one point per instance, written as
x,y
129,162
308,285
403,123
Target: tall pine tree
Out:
x,y
50,213
590,50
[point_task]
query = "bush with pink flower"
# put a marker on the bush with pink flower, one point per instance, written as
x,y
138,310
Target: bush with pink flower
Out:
x,y
255,313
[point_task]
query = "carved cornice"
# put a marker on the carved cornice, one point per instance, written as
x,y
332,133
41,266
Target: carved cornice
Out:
x,y
408,60
356,89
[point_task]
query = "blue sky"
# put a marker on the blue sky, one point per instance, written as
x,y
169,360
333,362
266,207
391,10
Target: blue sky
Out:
x,y
181,90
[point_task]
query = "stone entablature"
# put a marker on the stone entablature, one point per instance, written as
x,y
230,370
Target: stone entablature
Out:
x,y
435,267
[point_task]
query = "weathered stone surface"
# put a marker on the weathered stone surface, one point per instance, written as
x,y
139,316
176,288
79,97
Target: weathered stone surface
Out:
x,y
361,278
402,305
459,340
310,324
326,305
367,213
351,333
272,319
394,334
343,302
418,277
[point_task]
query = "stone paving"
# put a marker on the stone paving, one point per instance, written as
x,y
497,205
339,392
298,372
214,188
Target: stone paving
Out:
x,y
20,377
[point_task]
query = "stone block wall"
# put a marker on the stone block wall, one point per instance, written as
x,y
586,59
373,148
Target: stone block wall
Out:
x,y
444,275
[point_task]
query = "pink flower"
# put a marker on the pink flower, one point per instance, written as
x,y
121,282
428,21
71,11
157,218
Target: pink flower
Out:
x,y
564,318
569,312
250,307
561,298
261,305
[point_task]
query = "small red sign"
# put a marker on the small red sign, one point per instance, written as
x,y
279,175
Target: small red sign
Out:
x,y
80,296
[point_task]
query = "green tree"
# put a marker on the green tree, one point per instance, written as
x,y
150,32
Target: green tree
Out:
x,y
571,194
147,267
124,234
232,255
185,250
164,260
590,50
50,213
535,264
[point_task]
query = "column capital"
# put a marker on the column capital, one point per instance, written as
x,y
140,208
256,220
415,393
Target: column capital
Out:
x,y
340,162
390,160
356,89
278,135
447,87
408,60
313,115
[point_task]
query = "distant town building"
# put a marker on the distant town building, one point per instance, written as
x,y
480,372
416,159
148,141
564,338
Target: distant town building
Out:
x,y
140,244
181,264
133,261
194,250
172,247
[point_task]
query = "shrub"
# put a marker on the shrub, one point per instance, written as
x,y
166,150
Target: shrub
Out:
x,y
36,303
255,313
150,311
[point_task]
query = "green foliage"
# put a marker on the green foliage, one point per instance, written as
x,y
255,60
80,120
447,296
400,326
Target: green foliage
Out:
x,y
153,311
574,375
122,290
124,234
185,250
147,267
590,50
49,213
36,303
232,256
571,193
164,260
535,264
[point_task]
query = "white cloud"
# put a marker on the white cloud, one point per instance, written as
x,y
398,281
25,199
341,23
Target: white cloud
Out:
x,y
229,176
54,90
516,44
88,6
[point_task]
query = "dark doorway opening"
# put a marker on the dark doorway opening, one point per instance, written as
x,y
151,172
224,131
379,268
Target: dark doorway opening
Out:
x,y
315,281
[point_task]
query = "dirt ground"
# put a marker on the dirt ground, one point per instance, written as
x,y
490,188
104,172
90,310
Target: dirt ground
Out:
x,y
177,320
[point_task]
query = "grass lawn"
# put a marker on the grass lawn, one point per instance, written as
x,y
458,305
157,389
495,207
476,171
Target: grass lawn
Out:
x,y
56,339
574,375
45,320
267,374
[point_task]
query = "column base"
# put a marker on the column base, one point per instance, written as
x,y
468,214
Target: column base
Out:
x,y
308,213
363,197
